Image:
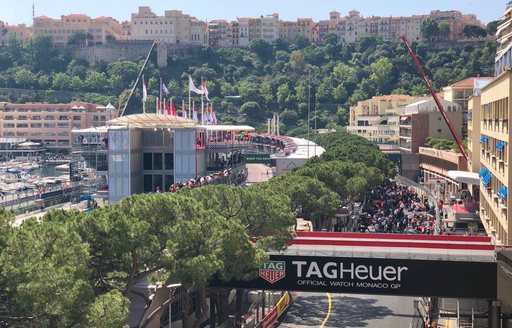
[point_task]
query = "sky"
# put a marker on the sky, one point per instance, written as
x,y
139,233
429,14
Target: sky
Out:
x,y
20,11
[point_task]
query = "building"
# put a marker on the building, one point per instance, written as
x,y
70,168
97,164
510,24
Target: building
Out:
x,y
220,33
150,152
494,150
306,28
377,119
460,92
423,119
21,33
434,167
288,31
503,59
457,21
51,124
269,27
174,27
96,31
243,32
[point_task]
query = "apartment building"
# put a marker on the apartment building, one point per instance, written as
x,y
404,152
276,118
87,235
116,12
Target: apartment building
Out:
x,y
456,20
377,119
220,33
199,34
494,148
172,28
503,59
51,124
460,92
288,31
269,27
97,30
243,32
422,119
21,33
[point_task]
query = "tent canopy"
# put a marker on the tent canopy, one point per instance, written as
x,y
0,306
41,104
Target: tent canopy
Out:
x,y
464,177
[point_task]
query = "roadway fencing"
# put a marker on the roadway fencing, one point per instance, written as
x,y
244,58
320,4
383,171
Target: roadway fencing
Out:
x,y
278,302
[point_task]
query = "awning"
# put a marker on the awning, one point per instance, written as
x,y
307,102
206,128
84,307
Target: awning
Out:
x,y
484,139
486,179
500,145
502,192
464,177
483,171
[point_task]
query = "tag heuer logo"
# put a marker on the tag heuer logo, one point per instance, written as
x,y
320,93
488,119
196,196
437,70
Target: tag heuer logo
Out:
x,y
272,271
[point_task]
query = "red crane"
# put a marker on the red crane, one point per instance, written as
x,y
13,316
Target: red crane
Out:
x,y
436,99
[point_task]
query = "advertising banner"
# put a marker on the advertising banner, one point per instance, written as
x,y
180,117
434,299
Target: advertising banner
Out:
x,y
375,276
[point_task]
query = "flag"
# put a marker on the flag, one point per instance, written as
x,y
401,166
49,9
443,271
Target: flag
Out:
x,y
196,120
205,91
165,90
144,90
157,106
184,112
214,117
192,87
173,108
167,108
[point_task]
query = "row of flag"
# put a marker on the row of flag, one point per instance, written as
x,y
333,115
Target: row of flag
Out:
x,y
167,106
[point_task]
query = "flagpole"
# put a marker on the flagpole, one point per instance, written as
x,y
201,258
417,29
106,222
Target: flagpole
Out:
x,y
189,108
160,97
202,110
143,100
183,107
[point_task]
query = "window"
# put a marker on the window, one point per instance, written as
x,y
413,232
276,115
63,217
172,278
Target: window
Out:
x,y
22,125
8,125
148,161
76,118
148,182
23,117
439,130
169,161
36,118
36,125
49,117
157,182
157,161
169,180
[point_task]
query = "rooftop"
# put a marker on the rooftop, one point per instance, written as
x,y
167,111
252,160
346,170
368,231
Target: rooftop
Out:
x,y
469,82
152,120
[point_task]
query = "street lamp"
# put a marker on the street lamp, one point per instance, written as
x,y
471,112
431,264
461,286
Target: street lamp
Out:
x,y
172,288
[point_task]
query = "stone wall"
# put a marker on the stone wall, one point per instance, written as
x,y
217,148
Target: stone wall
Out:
x,y
131,50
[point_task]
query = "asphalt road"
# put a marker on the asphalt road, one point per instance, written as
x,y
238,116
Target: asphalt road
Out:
x,y
347,310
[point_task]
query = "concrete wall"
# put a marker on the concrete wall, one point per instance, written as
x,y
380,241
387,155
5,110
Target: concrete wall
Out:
x,y
410,166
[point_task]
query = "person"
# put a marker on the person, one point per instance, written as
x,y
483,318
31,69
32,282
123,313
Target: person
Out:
x,y
158,189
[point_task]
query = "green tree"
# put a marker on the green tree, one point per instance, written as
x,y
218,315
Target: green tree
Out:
x,y
61,81
429,29
252,111
24,77
95,81
492,27
444,30
261,48
108,310
381,74
474,31
44,270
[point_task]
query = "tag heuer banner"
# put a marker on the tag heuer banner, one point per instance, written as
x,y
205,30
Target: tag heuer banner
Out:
x,y
374,276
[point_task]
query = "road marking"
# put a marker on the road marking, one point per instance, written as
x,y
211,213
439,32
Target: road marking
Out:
x,y
328,310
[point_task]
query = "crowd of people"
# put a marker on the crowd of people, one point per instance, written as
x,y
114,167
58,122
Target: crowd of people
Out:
x,y
393,208
220,177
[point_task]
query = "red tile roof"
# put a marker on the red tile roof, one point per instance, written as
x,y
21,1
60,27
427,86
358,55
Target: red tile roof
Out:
x,y
469,82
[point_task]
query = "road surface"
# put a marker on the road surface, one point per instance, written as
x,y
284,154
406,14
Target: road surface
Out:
x,y
258,173
348,310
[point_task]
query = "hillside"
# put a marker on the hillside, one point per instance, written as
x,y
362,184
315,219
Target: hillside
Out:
x,y
269,78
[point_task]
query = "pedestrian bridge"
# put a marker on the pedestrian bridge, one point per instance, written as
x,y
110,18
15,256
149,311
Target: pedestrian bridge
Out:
x,y
392,246
380,264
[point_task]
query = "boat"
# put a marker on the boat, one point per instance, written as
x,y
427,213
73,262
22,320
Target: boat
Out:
x,y
62,167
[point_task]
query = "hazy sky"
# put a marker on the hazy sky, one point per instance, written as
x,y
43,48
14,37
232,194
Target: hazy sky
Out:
x,y
20,11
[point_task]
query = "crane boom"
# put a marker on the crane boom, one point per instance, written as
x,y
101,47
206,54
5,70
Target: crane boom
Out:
x,y
436,99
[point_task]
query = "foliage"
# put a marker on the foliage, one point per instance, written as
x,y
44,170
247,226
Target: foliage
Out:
x,y
474,31
275,75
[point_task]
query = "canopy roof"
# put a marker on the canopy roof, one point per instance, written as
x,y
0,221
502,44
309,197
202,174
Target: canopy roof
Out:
x,y
464,177
152,120
227,127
